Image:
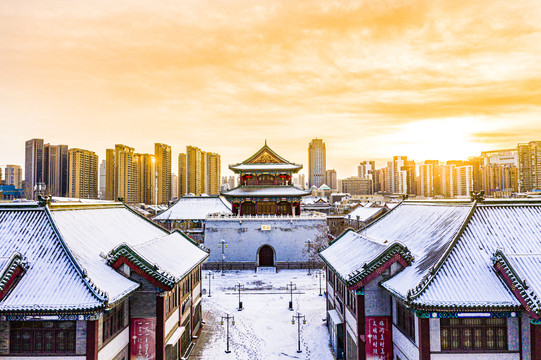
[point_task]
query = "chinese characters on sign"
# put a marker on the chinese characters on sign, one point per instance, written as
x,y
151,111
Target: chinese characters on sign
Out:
x,y
143,339
378,338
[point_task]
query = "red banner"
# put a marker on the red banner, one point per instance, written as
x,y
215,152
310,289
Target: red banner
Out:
x,y
378,338
143,339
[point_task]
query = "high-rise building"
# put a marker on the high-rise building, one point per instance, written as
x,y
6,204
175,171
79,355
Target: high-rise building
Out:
x,y
447,177
316,163
331,179
500,179
145,174
162,153
357,185
426,180
55,169
213,171
110,187
102,184
174,186
464,180
529,166
14,176
83,174
33,167
124,174
401,175
182,174
194,165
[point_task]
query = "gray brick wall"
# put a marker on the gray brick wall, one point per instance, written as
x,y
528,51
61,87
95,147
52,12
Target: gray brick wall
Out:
x,y
80,338
4,337
143,301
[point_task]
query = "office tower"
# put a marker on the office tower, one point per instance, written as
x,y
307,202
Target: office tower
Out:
x,y
194,177
110,187
383,185
367,170
331,179
83,174
174,186
231,180
14,176
464,180
426,180
162,153
213,171
316,163
529,166
182,174
103,180
33,169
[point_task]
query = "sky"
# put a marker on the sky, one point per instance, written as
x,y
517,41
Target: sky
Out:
x,y
442,79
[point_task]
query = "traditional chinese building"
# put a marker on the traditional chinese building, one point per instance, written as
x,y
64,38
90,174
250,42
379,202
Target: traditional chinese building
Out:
x,y
265,186
266,227
438,280
95,281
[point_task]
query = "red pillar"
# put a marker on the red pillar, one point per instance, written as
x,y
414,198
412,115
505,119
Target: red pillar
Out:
x,y
535,341
424,339
160,327
361,328
92,334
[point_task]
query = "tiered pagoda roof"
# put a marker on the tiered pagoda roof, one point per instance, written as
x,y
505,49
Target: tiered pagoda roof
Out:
x,y
265,159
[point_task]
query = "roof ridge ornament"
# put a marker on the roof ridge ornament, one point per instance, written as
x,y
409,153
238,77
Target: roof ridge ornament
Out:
x,y
478,196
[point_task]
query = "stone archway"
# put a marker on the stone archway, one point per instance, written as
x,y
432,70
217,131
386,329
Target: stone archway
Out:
x,y
265,256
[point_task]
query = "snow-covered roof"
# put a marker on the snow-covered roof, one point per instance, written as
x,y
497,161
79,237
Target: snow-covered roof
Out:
x,y
274,167
282,190
93,232
195,208
454,247
309,200
365,213
52,281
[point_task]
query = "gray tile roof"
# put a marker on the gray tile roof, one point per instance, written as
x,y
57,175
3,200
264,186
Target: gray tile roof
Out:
x,y
195,208
53,280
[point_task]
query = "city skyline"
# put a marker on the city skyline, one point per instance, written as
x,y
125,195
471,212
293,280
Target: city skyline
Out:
x,y
403,79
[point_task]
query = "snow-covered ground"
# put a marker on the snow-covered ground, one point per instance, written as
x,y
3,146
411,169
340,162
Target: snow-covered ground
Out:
x,y
263,330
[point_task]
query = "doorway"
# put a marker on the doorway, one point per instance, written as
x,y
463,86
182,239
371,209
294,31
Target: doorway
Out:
x,y
266,256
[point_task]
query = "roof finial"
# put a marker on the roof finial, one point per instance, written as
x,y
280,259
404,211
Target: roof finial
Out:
x,y
265,142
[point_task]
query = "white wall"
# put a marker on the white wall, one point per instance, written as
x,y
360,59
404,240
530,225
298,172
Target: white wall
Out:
x,y
109,351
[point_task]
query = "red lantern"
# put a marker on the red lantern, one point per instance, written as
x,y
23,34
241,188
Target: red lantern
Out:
x,y
248,176
283,176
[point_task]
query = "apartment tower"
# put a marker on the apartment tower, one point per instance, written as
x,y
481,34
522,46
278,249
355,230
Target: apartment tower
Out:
x,y
162,153
529,166
182,174
83,174
14,176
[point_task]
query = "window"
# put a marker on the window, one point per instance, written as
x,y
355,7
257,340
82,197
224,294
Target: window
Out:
x,y
405,321
44,337
172,300
113,322
351,301
473,334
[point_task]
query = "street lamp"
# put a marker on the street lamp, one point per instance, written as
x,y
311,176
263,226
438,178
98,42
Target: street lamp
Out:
x,y
239,287
290,287
298,317
320,275
227,318
210,275
308,244
222,244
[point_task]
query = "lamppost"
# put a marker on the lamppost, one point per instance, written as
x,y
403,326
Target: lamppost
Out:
x,y
308,244
228,317
320,275
210,275
239,287
298,317
290,287
222,244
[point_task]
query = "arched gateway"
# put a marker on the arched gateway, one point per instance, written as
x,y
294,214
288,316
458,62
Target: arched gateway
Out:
x,y
265,256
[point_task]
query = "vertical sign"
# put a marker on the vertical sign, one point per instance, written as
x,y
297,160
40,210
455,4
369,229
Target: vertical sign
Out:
x,y
378,338
143,339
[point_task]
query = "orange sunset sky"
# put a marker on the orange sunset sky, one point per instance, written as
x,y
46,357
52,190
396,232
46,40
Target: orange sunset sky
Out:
x,y
426,79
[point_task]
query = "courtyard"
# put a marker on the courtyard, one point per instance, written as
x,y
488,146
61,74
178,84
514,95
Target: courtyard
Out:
x,y
263,329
